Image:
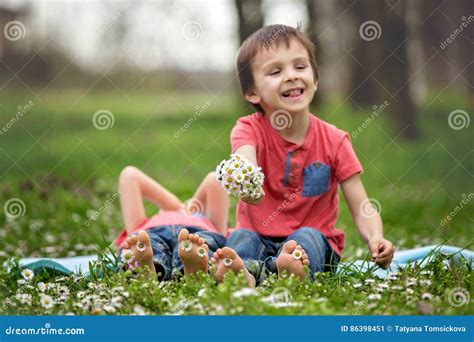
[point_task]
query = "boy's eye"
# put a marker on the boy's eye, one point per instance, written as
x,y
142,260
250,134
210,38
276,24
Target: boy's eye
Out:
x,y
301,67
275,72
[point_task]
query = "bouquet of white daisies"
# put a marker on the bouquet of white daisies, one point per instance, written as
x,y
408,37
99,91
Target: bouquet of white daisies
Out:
x,y
240,177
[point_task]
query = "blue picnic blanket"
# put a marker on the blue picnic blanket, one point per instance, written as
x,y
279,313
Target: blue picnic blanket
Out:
x,y
401,259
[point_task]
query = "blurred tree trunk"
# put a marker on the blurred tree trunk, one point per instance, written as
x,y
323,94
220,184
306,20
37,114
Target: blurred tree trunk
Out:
x,y
367,54
416,55
396,70
465,46
250,17
313,30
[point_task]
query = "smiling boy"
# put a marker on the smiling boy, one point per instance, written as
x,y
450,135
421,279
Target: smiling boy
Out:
x,y
304,159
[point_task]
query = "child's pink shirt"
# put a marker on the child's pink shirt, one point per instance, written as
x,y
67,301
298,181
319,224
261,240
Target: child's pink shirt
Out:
x,y
170,217
301,181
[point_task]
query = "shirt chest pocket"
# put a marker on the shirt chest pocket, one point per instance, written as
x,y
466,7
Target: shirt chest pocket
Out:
x,y
316,177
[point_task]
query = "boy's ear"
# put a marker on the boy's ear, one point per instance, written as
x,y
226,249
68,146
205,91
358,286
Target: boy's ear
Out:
x,y
252,97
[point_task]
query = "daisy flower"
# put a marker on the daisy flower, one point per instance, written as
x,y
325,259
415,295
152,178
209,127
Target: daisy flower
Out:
x,y
201,252
127,256
27,274
369,281
47,302
426,296
356,286
425,282
240,177
374,296
186,245
227,262
141,246
297,254
41,286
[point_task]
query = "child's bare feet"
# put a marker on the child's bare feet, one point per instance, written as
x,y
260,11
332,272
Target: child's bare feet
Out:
x,y
226,260
137,251
292,259
193,252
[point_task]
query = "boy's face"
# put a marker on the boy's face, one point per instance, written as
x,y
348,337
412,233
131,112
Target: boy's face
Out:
x,y
283,79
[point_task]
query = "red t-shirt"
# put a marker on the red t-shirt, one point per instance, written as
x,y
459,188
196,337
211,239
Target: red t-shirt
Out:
x,y
301,181
170,217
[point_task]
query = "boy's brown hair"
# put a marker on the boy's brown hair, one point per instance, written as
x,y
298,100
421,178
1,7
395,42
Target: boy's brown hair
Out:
x,y
267,37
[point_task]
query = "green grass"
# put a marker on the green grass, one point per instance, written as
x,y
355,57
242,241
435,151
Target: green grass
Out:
x,y
64,170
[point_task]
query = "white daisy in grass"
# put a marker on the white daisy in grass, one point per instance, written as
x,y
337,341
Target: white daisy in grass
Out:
x,y
410,291
425,282
21,282
127,256
356,286
426,272
369,281
374,296
201,252
139,310
297,254
141,246
27,274
186,245
46,301
227,262
426,296
393,276
24,298
42,286
397,288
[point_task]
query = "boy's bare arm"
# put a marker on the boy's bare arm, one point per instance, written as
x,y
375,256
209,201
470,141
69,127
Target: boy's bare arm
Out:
x,y
250,152
370,226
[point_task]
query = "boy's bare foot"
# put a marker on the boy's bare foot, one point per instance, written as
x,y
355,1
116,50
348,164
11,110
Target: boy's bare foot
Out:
x,y
292,259
226,260
193,252
137,251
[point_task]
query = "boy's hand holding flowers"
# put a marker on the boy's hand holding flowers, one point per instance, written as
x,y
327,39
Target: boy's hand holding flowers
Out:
x,y
241,178
381,251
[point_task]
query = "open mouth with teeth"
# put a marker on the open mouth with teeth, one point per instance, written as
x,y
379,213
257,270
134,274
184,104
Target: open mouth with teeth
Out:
x,y
293,93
